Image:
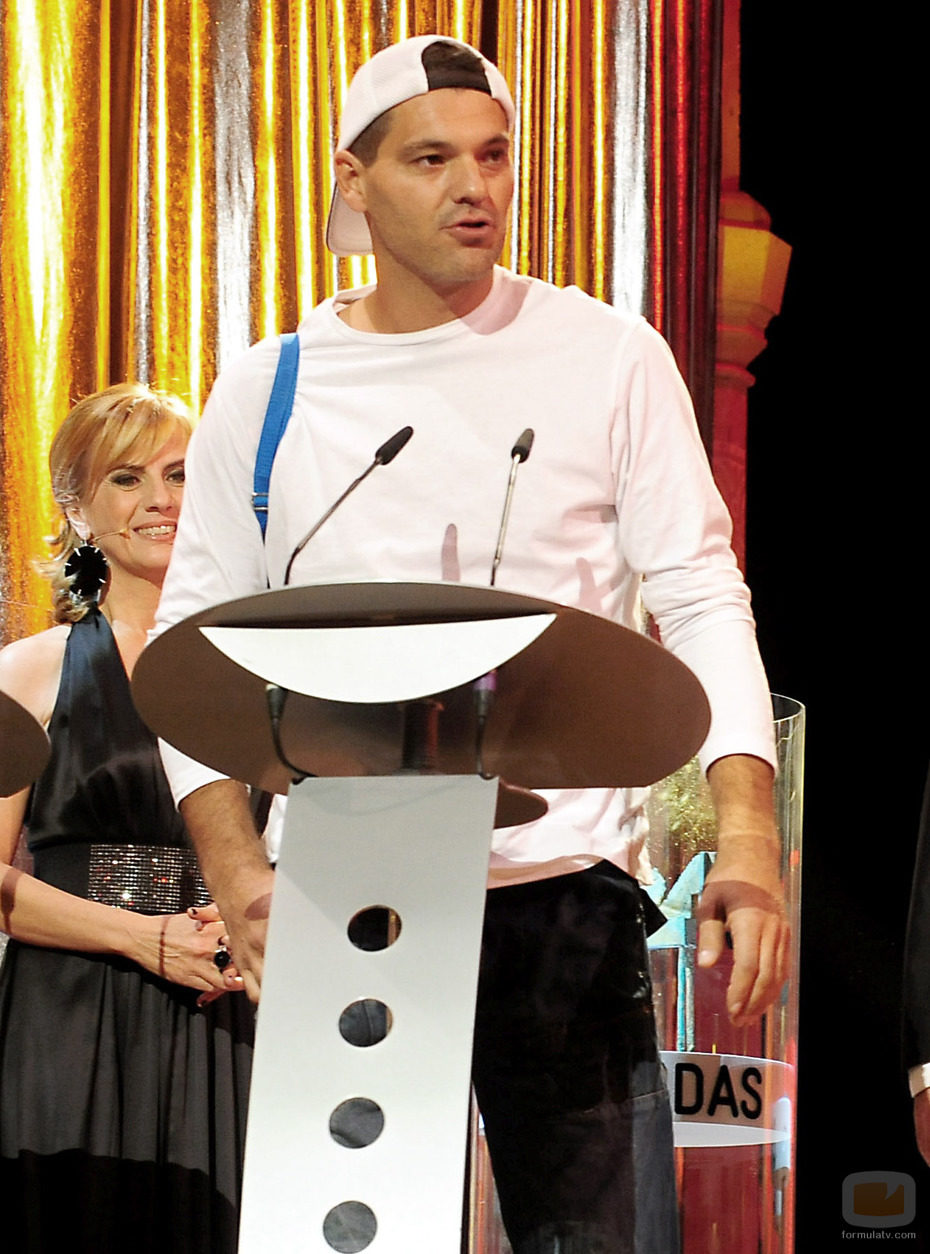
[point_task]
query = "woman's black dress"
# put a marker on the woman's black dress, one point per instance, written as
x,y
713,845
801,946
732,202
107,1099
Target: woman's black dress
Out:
x,y
122,1106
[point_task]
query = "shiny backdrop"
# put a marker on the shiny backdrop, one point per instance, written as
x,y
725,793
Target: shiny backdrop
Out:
x,y
165,177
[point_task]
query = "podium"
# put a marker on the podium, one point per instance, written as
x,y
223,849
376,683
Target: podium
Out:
x,y
24,747
425,713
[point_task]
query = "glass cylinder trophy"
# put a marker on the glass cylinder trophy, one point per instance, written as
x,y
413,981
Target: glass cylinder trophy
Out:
x,y
732,1090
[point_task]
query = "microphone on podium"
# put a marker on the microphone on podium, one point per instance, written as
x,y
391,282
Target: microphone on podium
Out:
x,y
383,457
485,687
518,454
275,695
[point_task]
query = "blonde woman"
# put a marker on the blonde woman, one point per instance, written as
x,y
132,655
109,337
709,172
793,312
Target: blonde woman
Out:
x,y
123,1071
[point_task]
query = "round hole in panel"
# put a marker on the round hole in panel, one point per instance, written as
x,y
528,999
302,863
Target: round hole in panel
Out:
x,y
356,1122
350,1227
374,928
365,1022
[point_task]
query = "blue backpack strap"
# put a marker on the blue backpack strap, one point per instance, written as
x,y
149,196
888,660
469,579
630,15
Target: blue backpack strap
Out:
x,y
280,404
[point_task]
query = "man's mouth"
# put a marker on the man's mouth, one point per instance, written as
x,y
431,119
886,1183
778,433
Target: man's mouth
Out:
x,y
468,229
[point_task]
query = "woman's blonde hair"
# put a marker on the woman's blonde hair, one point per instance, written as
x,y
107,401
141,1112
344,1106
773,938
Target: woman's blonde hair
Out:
x,y
123,424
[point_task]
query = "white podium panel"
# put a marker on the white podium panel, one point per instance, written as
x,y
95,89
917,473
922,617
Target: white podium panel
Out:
x,y
418,845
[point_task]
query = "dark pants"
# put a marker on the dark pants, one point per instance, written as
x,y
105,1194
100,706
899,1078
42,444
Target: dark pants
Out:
x,y
567,1072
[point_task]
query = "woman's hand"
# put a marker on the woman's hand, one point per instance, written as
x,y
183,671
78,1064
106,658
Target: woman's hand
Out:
x,y
210,913
181,948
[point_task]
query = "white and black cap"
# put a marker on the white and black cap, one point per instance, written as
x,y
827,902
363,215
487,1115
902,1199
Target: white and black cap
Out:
x,y
392,76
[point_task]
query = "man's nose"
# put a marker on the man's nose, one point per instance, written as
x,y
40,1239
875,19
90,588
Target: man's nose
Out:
x,y
469,180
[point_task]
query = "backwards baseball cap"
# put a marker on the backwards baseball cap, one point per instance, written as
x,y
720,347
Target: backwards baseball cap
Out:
x,y
392,76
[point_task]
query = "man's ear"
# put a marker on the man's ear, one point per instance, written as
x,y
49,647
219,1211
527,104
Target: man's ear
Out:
x,y
75,516
350,179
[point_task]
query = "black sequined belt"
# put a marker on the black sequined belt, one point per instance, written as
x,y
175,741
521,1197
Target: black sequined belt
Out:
x,y
149,879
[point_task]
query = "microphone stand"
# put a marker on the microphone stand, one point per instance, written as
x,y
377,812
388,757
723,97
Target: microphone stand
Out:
x,y
485,688
275,695
519,453
385,454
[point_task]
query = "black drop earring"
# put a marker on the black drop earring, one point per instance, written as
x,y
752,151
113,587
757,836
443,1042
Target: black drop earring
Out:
x,y
87,568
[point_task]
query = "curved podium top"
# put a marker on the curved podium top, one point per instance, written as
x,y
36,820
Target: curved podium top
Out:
x,y
580,701
24,747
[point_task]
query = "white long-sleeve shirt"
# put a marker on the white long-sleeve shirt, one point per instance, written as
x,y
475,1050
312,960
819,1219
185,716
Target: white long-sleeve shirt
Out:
x,y
615,503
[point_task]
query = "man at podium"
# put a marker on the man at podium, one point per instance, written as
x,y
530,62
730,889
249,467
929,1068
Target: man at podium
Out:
x,y
616,509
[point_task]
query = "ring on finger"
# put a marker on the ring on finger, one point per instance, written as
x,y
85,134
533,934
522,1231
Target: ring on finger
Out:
x,y
222,958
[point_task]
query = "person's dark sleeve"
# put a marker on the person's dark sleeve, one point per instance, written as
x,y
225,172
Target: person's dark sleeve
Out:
x,y
916,1025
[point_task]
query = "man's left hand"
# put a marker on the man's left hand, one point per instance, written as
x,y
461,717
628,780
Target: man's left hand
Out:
x,y
743,897
754,917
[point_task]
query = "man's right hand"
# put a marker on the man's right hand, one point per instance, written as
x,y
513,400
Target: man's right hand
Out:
x,y
236,871
245,911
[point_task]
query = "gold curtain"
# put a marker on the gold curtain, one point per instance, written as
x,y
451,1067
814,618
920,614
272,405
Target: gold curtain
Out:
x,y
234,112
164,186
54,260
165,178
579,71
617,145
